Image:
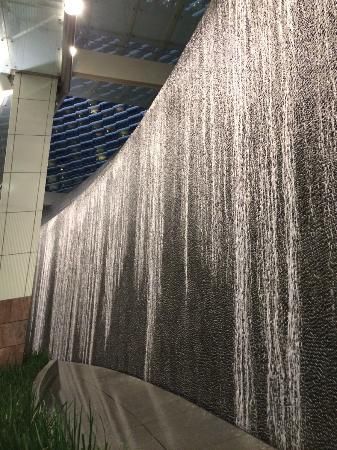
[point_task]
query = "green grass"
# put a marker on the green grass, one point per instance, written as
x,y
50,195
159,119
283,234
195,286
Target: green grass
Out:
x,y
28,425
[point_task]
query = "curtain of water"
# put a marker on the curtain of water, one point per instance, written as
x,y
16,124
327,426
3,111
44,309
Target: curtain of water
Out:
x,y
203,256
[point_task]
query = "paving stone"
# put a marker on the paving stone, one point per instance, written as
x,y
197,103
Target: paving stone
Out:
x,y
135,415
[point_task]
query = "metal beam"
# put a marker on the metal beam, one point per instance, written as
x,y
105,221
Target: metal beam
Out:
x,y
116,69
69,28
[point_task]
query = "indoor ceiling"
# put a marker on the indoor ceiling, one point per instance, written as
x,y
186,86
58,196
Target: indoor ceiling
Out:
x,y
85,134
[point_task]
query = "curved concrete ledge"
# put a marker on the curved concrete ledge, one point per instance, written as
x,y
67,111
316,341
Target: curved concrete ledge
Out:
x,y
45,380
132,414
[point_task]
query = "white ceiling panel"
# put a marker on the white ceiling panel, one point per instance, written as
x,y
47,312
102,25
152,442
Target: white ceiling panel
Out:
x,y
33,30
154,19
110,15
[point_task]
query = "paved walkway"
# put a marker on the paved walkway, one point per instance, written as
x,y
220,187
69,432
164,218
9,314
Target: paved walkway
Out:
x,y
138,415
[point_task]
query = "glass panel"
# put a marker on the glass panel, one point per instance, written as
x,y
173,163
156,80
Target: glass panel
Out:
x,y
34,34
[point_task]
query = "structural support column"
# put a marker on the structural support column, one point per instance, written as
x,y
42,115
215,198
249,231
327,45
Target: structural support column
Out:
x,y
98,66
21,203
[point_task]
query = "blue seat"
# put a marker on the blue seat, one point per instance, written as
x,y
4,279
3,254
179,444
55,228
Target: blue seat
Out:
x,y
86,133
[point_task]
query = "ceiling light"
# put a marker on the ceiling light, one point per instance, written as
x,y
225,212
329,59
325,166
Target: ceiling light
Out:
x,y
4,96
73,51
74,7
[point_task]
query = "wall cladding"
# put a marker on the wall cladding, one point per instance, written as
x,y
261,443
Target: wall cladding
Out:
x,y
203,257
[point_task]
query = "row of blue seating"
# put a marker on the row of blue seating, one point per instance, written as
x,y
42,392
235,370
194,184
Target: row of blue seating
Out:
x,y
74,104
95,145
86,105
169,57
94,113
139,95
82,126
83,170
76,162
85,135
99,135
58,163
69,184
90,39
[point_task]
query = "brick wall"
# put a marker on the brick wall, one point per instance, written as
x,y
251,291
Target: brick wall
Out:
x,y
13,323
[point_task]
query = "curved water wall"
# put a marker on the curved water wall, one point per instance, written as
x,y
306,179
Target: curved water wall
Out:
x,y
203,258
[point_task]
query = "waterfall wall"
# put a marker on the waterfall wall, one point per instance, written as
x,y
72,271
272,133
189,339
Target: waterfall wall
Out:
x,y
203,258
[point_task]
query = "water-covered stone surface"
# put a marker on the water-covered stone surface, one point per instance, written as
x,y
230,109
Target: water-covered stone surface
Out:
x,y
203,257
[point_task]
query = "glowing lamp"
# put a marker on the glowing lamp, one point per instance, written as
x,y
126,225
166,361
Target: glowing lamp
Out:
x,y
74,7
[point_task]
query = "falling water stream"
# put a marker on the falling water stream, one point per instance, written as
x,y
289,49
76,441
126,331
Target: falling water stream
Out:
x,y
203,256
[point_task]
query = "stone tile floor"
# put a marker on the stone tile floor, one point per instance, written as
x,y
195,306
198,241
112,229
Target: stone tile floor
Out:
x,y
132,414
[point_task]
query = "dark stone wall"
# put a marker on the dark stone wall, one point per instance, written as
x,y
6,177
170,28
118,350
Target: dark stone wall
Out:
x,y
203,257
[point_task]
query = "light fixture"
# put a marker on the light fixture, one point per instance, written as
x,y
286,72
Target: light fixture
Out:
x,y
73,51
4,96
74,7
